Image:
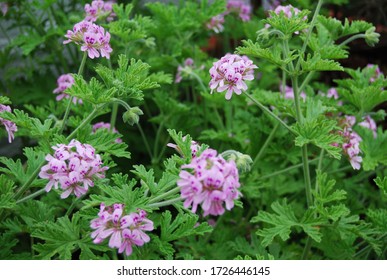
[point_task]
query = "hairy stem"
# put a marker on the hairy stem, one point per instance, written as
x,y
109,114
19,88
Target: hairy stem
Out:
x,y
270,113
66,115
264,146
165,203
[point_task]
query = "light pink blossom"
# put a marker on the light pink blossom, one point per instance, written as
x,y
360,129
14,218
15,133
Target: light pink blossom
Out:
x,y
241,8
369,123
64,82
73,168
211,182
216,23
377,73
99,9
230,73
91,37
10,127
288,93
125,231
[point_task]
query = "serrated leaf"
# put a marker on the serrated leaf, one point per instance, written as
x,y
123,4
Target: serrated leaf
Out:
x,y
316,63
181,226
374,149
283,220
61,238
106,143
382,184
288,25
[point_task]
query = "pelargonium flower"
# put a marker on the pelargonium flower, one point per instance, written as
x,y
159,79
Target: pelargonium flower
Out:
x,y
4,8
369,123
124,230
73,168
377,74
194,147
239,7
9,126
99,9
91,37
64,82
230,73
106,126
187,63
289,93
216,23
270,4
210,181
351,144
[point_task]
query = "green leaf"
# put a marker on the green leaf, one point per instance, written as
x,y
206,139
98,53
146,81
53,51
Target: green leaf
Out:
x,y
338,30
318,130
273,54
288,26
146,176
382,184
61,238
181,226
282,222
316,63
6,193
374,149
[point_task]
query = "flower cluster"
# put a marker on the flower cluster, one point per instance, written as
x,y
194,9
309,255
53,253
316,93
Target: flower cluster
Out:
x,y
237,7
91,37
351,142
288,93
377,74
240,8
106,126
270,4
230,73
369,123
99,9
73,167
124,230
9,126
209,180
64,82
186,69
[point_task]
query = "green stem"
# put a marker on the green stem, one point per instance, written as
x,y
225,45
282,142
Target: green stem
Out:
x,y
72,206
113,116
165,203
264,146
306,81
307,247
80,71
33,195
352,38
285,170
144,139
164,195
157,139
205,89
270,113
319,167
310,30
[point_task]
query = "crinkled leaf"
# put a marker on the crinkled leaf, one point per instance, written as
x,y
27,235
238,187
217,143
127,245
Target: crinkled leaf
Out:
x,y
382,184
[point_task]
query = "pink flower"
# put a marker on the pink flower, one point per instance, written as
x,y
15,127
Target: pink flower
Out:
x,y
64,82
242,9
125,231
91,37
73,168
9,126
106,126
4,8
99,9
209,181
186,69
351,144
369,123
377,74
194,147
289,93
230,73
216,23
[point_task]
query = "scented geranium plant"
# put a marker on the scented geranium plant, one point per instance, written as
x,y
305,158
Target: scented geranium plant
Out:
x,y
203,130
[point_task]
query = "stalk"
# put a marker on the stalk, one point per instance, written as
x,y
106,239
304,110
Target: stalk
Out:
x,y
80,71
270,113
264,146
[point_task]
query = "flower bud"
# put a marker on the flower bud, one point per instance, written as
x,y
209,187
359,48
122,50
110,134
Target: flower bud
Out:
x,y
371,37
132,116
242,161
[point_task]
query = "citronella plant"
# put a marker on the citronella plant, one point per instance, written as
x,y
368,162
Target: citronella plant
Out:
x,y
143,132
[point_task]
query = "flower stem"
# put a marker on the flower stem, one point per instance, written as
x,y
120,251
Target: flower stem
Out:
x,y
66,115
164,195
165,203
33,195
264,146
352,38
285,170
113,116
270,113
